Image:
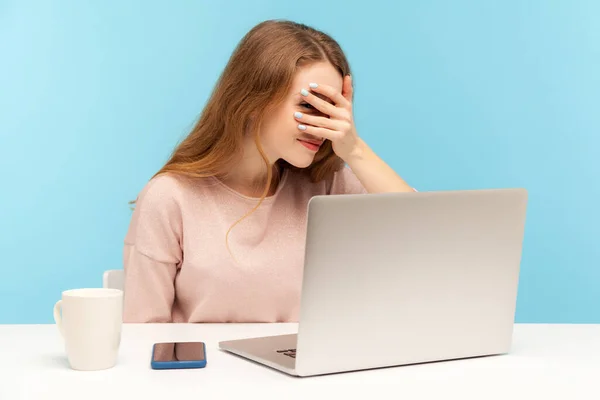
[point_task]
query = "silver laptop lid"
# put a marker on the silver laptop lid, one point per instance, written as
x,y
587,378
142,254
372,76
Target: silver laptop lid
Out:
x,y
402,278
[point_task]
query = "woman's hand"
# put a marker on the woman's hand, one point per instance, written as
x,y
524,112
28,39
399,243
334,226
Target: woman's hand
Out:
x,y
339,127
374,174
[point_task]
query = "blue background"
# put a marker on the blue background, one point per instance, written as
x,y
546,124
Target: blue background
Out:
x,y
454,95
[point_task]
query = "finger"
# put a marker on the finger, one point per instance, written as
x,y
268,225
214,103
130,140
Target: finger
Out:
x,y
347,89
317,121
316,131
320,104
332,93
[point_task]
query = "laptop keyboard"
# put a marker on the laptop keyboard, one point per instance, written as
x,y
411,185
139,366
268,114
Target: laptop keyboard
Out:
x,y
288,352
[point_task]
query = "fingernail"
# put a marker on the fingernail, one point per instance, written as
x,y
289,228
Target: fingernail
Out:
x,y
298,114
302,127
313,85
304,92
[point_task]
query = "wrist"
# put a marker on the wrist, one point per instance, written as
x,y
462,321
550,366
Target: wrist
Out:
x,y
358,153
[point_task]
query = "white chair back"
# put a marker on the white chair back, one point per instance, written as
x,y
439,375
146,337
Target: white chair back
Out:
x,y
114,279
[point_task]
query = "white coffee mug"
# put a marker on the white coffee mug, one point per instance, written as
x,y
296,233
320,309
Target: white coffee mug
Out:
x,y
90,321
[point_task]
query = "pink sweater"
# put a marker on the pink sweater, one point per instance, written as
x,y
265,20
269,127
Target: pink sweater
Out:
x,y
177,265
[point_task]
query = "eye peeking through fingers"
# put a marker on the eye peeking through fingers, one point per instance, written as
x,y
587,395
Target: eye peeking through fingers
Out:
x,y
309,109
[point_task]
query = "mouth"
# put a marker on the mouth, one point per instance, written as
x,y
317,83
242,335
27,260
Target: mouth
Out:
x,y
312,145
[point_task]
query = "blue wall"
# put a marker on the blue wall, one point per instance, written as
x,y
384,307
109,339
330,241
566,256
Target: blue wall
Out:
x,y
454,95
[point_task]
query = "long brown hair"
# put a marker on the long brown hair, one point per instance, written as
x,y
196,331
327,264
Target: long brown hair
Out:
x,y
255,81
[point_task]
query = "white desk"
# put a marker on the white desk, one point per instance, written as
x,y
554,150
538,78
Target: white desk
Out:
x,y
547,361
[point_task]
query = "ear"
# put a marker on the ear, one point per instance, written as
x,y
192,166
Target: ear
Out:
x,y
254,116
248,125
252,123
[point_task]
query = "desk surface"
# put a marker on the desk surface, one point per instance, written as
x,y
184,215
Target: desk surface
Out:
x,y
547,361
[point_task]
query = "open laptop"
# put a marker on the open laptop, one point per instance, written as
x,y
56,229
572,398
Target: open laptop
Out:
x,y
402,278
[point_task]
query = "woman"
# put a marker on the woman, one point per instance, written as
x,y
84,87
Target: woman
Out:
x,y
217,235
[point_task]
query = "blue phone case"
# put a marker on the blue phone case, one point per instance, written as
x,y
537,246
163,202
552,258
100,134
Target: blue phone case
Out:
x,y
177,364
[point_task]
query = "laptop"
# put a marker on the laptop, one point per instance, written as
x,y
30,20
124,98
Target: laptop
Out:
x,y
396,279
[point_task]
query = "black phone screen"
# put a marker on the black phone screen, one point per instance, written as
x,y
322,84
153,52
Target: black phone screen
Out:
x,y
179,351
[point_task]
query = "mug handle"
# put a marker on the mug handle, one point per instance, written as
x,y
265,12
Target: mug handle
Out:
x,y
57,316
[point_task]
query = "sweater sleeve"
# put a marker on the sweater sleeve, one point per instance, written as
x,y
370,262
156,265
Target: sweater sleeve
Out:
x,y
346,182
152,253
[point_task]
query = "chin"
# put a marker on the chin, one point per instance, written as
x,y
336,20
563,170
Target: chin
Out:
x,y
300,159
300,162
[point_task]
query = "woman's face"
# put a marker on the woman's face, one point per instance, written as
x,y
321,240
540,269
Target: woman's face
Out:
x,y
280,135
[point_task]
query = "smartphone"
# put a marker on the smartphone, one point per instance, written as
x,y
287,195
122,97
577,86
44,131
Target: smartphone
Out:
x,y
178,355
